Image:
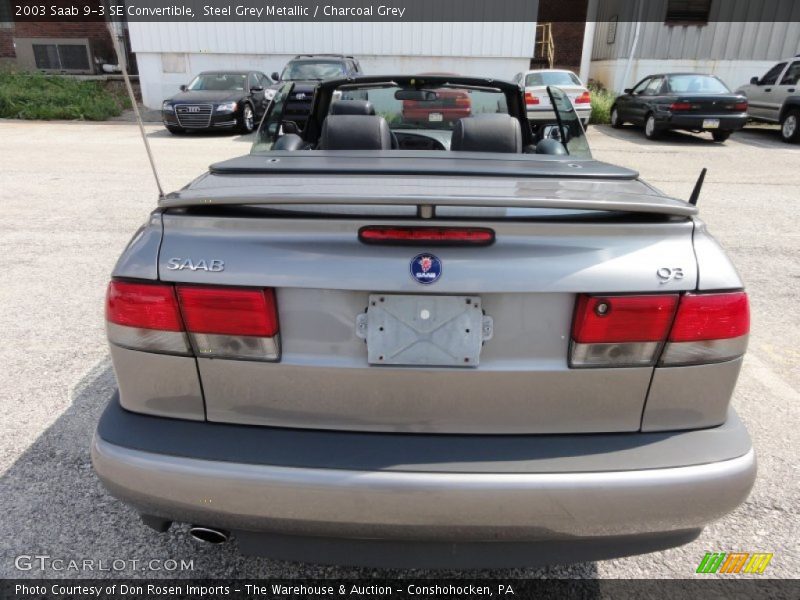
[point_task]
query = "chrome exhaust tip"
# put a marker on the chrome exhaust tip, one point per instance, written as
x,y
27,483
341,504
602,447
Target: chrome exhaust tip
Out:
x,y
209,535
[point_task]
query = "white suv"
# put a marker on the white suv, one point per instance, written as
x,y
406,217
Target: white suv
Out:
x,y
775,97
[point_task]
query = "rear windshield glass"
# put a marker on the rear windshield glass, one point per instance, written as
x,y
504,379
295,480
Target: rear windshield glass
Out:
x,y
222,82
312,71
701,84
551,78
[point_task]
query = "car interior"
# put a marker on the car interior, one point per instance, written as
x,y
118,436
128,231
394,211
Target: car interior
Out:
x,y
354,125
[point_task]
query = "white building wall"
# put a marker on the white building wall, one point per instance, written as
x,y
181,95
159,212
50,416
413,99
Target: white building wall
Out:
x,y
169,54
733,72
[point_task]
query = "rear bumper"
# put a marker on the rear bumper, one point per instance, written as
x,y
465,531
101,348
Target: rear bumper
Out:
x,y
548,116
695,122
582,496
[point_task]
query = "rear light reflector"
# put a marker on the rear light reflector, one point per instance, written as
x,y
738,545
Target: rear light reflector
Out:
x,y
584,98
440,236
708,328
606,319
231,322
223,322
145,316
531,98
620,331
740,106
680,106
229,311
711,317
145,305
626,331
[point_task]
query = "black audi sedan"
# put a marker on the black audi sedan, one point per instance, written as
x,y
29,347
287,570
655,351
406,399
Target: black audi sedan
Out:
x,y
687,101
219,99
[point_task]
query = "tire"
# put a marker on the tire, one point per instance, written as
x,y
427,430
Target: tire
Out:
x,y
248,120
175,130
651,131
790,127
616,122
721,136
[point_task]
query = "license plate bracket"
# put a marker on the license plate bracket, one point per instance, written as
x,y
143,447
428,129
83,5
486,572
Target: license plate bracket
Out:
x,y
424,330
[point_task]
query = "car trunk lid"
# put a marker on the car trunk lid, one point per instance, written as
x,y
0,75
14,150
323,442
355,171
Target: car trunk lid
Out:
x,y
300,237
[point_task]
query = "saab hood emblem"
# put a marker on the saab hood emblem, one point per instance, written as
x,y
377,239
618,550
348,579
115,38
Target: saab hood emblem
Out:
x,y
426,268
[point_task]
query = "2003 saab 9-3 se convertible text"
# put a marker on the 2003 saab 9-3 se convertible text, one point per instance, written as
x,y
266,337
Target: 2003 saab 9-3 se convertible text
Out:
x,y
441,344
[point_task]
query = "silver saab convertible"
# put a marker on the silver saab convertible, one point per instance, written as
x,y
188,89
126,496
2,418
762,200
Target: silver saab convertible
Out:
x,y
439,343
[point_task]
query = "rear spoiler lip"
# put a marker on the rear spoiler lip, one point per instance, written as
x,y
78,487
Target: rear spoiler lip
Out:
x,y
258,195
421,163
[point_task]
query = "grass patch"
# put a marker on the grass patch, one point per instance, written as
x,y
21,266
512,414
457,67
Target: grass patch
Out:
x,y
46,97
602,100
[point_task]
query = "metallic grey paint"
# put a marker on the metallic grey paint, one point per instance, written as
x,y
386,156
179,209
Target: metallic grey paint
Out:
x,y
158,384
675,400
431,506
576,193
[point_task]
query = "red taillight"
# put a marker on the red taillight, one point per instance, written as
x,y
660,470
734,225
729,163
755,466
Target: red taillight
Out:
x,y
613,319
680,106
531,98
143,305
584,98
628,331
229,311
463,102
740,106
220,322
711,317
460,236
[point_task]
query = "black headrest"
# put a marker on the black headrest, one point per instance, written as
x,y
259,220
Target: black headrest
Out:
x,y
352,107
487,133
355,132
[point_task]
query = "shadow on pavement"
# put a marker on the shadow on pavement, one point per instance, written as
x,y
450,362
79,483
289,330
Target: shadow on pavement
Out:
x,y
54,505
203,134
630,133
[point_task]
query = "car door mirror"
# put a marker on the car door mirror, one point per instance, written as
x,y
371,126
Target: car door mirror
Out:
x,y
628,91
276,76
754,81
183,87
257,88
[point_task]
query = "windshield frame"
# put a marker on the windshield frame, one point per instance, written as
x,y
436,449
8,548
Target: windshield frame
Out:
x,y
573,78
514,96
200,76
293,64
669,77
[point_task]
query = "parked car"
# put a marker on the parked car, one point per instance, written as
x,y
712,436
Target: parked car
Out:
x,y
775,98
448,106
537,101
306,71
687,101
487,351
219,99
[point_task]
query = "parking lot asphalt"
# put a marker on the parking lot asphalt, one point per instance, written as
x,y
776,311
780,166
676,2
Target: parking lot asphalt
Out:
x,y
72,194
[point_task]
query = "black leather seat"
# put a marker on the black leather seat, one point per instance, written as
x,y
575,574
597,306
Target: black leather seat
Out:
x,y
352,107
355,132
493,132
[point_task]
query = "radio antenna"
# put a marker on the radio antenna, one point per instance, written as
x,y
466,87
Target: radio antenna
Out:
x,y
123,63
697,187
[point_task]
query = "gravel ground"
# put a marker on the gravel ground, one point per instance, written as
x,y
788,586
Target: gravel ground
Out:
x,y
73,193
